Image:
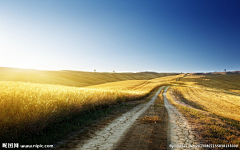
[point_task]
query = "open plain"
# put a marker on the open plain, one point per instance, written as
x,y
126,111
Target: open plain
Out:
x,y
159,111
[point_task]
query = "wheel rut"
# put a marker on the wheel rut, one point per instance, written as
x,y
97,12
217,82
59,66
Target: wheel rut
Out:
x,y
108,137
180,135
126,132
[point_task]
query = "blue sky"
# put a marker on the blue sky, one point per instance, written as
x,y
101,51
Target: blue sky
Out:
x,y
106,35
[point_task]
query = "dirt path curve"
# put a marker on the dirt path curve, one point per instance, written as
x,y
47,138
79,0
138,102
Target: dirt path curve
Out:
x,y
108,137
180,135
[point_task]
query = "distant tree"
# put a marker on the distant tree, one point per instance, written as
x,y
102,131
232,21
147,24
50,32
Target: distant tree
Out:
x,y
94,70
113,71
225,70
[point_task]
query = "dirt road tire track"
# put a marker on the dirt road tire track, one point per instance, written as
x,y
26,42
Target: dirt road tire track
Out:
x,y
180,132
108,137
125,132
147,135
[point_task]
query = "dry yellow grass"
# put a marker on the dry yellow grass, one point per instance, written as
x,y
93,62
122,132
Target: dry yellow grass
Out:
x,y
217,94
35,105
217,99
31,107
228,82
136,85
72,78
214,101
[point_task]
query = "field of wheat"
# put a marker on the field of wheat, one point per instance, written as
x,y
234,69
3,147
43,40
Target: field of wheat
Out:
x,y
215,93
223,82
136,85
222,104
72,78
216,98
31,107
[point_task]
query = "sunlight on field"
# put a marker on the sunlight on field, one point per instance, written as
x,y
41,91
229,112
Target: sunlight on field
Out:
x,y
216,93
30,107
72,78
211,102
25,104
214,101
216,81
136,85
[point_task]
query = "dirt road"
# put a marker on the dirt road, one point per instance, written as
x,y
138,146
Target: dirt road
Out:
x,y
127,132
109,136
147,134
180,135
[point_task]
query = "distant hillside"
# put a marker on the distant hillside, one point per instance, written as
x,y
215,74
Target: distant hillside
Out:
x,y
228,81
220,73
72,78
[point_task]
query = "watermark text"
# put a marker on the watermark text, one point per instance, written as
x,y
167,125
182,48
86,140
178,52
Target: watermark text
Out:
x,y
17,145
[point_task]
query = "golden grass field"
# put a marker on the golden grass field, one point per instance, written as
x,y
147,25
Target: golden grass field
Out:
x,y
216,98
219,94
30,107
72,78
31,100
